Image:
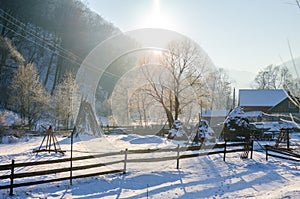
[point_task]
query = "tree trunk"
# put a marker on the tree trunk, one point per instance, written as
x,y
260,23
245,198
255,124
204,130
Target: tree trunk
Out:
x,y
176,107
51,60
169,117
57,72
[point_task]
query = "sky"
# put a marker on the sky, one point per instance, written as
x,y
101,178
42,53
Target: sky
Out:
x,y
243,35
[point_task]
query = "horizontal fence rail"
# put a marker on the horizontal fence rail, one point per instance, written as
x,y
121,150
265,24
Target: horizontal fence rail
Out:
x,y
281,153
224,148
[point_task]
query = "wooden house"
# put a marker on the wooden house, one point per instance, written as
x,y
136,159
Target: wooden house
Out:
x,y
271,101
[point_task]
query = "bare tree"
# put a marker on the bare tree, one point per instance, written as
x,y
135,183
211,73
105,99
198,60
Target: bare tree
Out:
x,y
28,96
273,77
286,78
268,78
140,103
181,82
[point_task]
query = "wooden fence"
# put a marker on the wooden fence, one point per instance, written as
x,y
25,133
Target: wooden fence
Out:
x,y
281,153
14,174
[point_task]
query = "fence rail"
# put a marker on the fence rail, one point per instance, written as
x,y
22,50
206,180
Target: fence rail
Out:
x,y
281,153
224,149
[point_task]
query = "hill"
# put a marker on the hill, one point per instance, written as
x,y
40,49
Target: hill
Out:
x,y
241,78
43,32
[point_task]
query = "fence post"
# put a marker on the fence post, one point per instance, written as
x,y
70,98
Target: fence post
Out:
x,y
225,150
266,152
177,167
125,161
252,143
11,189
71,158
288,139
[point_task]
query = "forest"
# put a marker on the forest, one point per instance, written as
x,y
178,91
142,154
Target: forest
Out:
x,y
53,42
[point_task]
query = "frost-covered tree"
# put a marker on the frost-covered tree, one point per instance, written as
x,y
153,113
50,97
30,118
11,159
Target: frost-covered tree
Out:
x,y
268,78
273,77
10,58
28,96
139,104
182,82
287,80
64,96
220,87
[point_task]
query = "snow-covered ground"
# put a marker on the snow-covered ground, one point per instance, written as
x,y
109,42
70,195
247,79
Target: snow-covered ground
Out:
x,y
201,177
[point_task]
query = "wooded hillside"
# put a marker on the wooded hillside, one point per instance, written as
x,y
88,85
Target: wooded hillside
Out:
x,y
55,35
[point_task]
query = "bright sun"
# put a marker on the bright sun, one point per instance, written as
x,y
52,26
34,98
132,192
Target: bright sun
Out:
x,y
156,19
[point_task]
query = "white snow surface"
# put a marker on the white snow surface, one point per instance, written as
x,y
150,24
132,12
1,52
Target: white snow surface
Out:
x,y
276,126
200,177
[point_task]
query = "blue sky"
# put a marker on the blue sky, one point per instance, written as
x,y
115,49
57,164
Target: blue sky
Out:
x,y
242,35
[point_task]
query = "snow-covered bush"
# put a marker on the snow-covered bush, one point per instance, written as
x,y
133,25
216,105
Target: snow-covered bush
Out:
x,y
204,133
236,125
177,131
9,120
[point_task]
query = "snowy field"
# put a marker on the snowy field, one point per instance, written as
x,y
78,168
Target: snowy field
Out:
x,y
200,177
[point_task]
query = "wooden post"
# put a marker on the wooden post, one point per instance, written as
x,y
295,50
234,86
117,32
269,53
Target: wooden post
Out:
x,y
49,142
225,150
11,189
41,145
147,191
125,161
288,138
267,153
54,143
252,144
71,158
177,167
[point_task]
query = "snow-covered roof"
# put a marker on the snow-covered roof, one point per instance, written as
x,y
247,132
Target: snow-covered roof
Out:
x,y
215,113
261,97
253,114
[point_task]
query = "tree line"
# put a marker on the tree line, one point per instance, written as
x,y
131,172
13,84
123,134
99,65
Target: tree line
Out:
x,y
277,77
28,97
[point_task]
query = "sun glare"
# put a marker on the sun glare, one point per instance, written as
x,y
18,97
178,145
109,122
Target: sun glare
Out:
x,y
156,18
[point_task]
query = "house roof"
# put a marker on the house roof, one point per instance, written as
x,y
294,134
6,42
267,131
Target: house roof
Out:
x,y
261,97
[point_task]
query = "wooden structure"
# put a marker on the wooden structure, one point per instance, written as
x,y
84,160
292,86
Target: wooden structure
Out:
x,y
284,135
247,148
86,121
282,153
60,165
50,139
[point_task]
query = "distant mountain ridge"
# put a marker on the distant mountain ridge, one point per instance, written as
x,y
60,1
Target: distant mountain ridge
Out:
x,y
293,66
245,79
241,78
